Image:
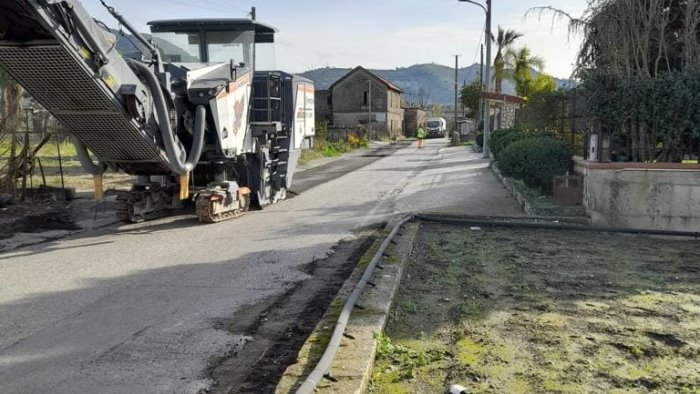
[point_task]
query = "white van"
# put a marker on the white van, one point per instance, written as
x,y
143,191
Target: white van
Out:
x,y
436,127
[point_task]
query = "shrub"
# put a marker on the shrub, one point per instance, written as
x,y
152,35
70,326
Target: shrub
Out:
x,y
536,161
480,140
357,142
501,139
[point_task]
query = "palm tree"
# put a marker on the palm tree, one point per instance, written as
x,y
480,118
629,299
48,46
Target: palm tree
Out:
x,y
503,41
521,61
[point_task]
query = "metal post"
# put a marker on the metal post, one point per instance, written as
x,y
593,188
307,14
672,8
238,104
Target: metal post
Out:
x,y
487,118
456,87
480,116
25,164
369,107
60,160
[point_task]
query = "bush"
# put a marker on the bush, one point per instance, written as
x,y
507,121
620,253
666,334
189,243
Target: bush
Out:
x,y
501,139
480,140
357,142
536,161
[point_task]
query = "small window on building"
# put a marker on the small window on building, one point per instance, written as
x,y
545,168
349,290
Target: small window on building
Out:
x,y
366,97
329,100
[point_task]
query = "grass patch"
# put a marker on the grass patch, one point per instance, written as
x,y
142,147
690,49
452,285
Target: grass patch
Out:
x,y
323,149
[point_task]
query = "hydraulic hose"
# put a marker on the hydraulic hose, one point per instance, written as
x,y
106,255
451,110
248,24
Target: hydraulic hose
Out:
x,y
173,151
85,160
87,35
485,222
124,22
324,364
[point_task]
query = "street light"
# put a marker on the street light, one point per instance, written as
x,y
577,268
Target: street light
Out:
x,y
487,118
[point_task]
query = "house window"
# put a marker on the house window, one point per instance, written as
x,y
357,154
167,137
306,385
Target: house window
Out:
x,y
366,97
330,100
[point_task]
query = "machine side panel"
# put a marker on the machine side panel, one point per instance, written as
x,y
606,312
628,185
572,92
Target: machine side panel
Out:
x,y
230,111
303,112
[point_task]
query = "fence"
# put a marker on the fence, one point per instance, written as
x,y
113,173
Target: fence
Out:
x,y
45,165
559,113
337,134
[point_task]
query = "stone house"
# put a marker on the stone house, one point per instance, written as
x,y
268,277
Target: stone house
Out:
x,y
412,118
323,108
361,94
504,107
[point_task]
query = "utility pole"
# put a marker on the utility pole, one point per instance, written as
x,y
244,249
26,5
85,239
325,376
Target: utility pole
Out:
x,y
487,104
456,87
487,77
480,116
369,108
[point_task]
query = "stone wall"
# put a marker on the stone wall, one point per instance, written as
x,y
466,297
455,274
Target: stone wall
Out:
x,y
322,104
351,104
507,116
349,94
664,196
414,117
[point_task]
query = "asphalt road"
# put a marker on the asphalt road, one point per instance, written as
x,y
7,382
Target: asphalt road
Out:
x,y
141,308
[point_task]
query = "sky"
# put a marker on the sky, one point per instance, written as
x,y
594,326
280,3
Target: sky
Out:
x,y
383,34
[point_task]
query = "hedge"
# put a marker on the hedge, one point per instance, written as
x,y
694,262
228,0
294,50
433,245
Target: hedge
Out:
x,y
501,139
536,161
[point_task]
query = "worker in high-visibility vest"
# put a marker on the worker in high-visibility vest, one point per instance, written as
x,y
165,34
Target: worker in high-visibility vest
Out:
x,y
421,137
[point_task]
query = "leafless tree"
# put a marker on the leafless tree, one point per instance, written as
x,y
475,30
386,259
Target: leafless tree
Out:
x,y
9,124
423,97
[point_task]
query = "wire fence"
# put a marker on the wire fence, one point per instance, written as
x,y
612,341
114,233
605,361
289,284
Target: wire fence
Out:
x,y
560,114
44,164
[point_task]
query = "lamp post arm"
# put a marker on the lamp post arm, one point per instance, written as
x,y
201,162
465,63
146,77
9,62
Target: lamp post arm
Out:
x,y
475,3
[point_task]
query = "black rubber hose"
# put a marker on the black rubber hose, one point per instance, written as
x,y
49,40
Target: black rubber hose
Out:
x,y
324,364
550,226
85,160
172,151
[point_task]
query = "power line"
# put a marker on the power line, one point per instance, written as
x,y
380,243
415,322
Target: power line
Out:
x,y
229,6
301,58
476,54
301,50
186,4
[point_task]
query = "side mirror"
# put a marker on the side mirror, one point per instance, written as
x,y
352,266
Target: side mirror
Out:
x,y
232,71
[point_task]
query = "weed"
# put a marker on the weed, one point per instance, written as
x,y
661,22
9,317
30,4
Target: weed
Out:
x,y
404,359
636,351
409,307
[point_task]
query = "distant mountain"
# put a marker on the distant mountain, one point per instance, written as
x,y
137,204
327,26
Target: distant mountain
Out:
x,y
435,79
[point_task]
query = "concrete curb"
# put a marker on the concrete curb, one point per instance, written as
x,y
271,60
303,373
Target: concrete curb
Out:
x,y
352,367
522,201
525,204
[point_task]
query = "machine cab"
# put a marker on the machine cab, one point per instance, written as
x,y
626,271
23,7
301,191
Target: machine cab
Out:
x,y
210,41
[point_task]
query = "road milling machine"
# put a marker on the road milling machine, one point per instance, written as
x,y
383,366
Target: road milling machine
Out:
x,y
186,114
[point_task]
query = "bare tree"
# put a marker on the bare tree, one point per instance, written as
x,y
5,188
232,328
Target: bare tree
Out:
x,y
9,125
423,98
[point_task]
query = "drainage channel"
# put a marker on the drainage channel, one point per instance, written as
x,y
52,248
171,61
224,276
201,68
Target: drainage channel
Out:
x,y
323,367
